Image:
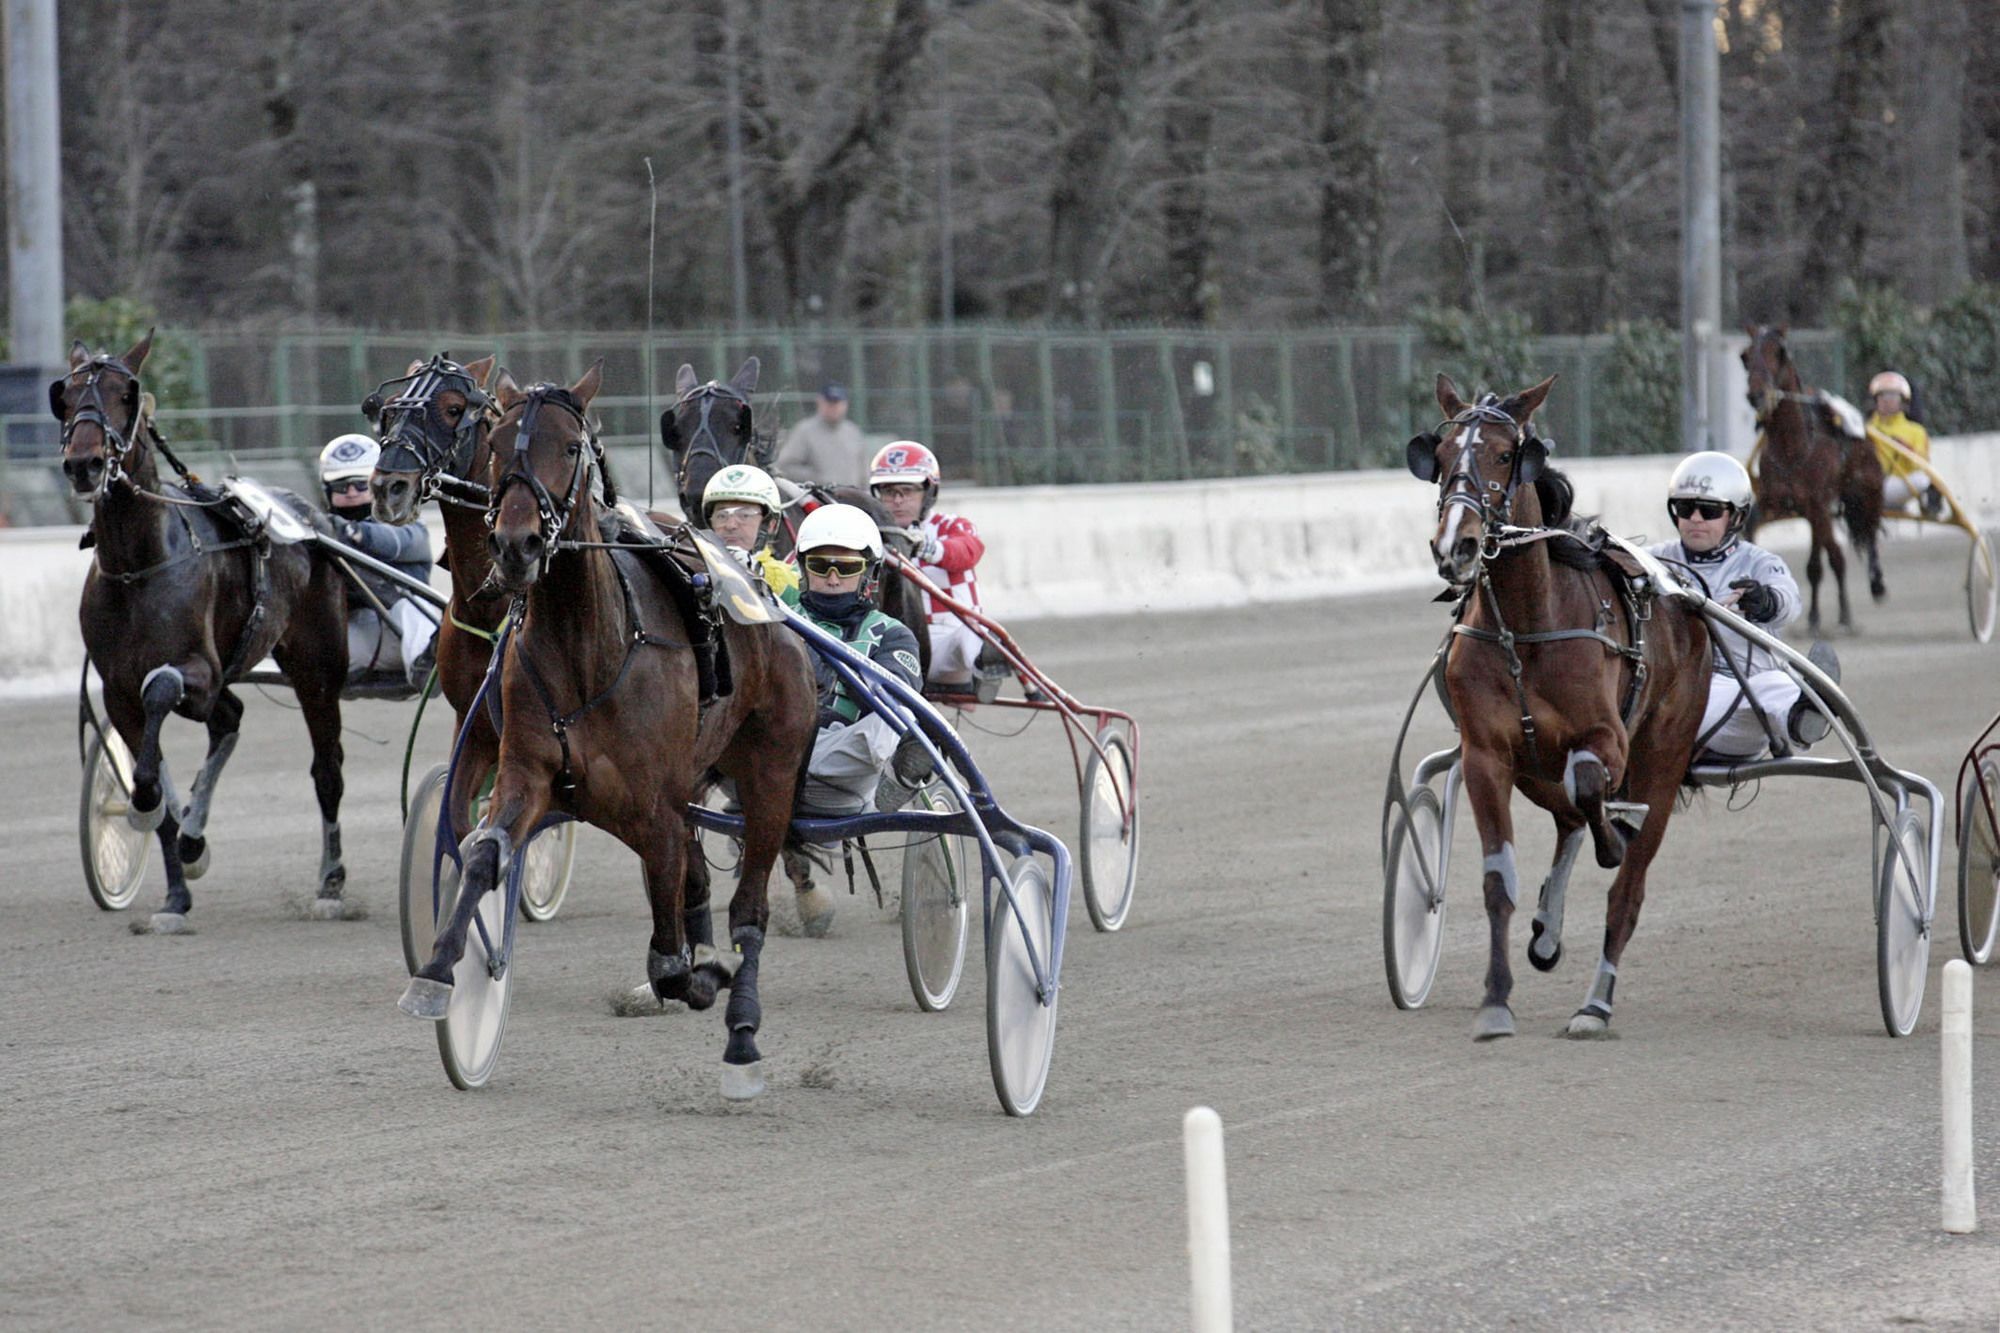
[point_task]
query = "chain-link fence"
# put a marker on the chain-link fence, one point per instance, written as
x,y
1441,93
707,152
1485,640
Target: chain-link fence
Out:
x,y
1002,406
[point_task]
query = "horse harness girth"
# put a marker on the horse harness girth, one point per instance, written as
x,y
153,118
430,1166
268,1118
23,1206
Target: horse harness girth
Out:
x,y
1637,599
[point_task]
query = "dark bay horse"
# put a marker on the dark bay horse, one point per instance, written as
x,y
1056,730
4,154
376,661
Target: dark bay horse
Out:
x,y
603,720
1590,713
180,602
1809,469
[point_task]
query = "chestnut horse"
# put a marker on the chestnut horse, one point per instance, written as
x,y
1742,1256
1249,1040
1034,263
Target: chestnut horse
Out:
x,y
602,719
1808,469
180,602
1556,693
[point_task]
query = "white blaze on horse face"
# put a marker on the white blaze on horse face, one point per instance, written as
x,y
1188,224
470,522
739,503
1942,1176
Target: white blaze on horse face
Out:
x,y
1447,538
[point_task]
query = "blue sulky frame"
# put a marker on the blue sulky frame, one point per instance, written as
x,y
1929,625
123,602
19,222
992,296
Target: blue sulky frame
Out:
x,y
979,816
1417,829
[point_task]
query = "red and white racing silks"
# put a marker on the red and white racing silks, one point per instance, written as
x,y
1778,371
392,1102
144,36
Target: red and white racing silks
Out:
x,y
953,570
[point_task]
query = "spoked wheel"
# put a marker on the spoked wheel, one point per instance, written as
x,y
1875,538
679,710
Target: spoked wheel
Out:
x,y
545,879
413,898
1020,1029
1978,869
1982,588
1902,940
114,853
935,915
1108,851
1413,899
469,1033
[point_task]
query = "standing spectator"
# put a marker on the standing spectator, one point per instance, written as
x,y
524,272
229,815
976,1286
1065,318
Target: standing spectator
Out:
x,y
825,447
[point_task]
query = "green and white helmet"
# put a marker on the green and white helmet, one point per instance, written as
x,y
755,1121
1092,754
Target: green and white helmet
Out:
x,y
740,483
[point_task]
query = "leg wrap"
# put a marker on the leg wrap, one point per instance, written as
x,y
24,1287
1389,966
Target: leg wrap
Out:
x,y
1569,771
669,973
744,1011
1549,909
1502,863
1598,1002
698,924
172,688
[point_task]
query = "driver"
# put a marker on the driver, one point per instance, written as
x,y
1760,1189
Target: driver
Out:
x,y
1901,478
738,505
344,468
904,477
1709,499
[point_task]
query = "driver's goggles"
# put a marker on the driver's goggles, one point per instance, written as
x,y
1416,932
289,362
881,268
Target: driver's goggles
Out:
x,y
837,566
351,486
737,514
1709,509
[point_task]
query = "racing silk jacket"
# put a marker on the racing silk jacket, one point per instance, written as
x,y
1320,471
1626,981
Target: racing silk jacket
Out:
x,y
780,575
1719,569
882,639
954,570
407,548
1906,433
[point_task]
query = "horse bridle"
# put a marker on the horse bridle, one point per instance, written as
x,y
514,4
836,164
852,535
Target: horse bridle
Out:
x,y
1463,485
705,440
117,443
554,518
412,429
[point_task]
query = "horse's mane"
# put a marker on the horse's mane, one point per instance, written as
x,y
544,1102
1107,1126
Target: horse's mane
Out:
x,y
1558,497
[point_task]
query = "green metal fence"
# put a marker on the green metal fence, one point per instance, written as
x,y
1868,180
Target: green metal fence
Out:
x,y
1002,405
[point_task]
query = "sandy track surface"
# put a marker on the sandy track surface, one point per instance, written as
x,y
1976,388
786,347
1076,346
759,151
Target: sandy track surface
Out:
x,y
237,1129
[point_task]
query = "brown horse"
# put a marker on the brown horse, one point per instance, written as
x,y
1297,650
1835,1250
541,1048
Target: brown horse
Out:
x,y
434,428
1555,693
180,602
603,719
1808,468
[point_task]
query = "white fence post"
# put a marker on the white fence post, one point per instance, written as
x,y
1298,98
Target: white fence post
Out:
x,y
1961,1213
1208,1220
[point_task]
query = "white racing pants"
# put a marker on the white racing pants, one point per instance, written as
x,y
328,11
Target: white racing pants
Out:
x,y
1898,491
1742,736
372,648
954,651
847,763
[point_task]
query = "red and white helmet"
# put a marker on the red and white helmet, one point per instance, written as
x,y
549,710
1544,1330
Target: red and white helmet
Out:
x,y
904,461
1889,382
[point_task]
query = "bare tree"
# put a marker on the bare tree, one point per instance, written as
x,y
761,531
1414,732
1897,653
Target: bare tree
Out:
x,y
1836,193
1350,199
1583,256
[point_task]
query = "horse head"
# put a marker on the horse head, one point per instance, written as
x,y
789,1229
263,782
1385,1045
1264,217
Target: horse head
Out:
x,y
707,429
98,404
430,422
543,453
1772,373
1480,455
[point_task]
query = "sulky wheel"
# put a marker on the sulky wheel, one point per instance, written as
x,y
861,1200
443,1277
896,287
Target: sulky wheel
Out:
x,y
1413,899
934,908
469,1034
1902,939
1982,587
1979,868
1020,1028
114,853
1108,850
413,898
545,878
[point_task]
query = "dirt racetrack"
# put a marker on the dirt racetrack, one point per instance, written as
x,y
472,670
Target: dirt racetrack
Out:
x,y
236,1129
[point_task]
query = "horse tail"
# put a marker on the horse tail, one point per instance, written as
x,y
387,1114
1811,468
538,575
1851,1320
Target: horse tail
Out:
x,y
1861,500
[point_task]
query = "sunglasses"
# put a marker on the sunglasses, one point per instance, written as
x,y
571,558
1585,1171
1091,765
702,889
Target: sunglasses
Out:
x,y
1709,509
358,484
734,513
837,566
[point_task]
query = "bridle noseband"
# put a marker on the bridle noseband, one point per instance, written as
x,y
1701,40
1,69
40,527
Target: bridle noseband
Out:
x,y
91,412
705,440
1463,485
414,433
552,517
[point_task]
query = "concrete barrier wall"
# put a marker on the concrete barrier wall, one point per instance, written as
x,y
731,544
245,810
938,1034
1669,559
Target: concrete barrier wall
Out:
x,y
1090,550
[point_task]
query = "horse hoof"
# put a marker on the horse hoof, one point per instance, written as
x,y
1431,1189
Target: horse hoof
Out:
x,y
1535,956
146,821
816,912
424,998
1587,1026
741,1083
195,866
327,909
170,923
639,1002
1493,1020
700,992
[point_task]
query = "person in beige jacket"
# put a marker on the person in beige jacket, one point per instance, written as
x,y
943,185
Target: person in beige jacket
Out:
x,y
825,447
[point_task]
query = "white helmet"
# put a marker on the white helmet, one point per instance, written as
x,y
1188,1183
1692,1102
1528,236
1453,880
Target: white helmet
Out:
x,y
348,456
840,525
1711,476
1889,382
741,483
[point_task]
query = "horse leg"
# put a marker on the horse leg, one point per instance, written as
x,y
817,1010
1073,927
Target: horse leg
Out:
x,y
1815,564
1545,932
767,806
1823,535
319,701
1489,784
225,721
1878,586
159,694
1628,893
1595,769
518,805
